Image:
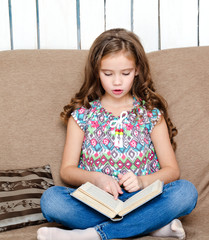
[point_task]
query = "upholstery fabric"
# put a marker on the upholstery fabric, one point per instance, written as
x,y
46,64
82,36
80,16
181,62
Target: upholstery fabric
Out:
x,y
36,84
20,192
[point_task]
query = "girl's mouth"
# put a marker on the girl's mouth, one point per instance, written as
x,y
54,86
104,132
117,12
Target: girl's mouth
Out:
x,y
117,91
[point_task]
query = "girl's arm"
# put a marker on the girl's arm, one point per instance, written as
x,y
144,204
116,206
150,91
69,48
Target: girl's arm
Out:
x,y
169,167
69,171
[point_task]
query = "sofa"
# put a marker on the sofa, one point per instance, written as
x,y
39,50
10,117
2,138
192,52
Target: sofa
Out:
x,y
36,84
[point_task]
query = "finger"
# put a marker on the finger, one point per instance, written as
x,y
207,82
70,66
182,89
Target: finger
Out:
x,y
114,191
122,178
111,188
131,187
108,189
120,175
126,179
130,182
119,188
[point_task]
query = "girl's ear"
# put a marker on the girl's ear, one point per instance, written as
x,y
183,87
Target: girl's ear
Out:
x,y
137,71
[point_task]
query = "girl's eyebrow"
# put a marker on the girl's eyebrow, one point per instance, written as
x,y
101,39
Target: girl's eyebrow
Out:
x,y
125,69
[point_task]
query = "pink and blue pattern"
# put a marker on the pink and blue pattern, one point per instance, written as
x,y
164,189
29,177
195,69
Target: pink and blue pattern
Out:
x,y
135,152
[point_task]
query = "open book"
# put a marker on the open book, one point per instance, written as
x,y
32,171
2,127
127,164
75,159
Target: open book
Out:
x,y
115,209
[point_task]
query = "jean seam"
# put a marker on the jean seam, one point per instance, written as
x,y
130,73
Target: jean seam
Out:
x,y
100,231
167,186
68,190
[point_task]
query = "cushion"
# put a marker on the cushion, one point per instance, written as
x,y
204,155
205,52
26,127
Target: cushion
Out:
x,y
20,192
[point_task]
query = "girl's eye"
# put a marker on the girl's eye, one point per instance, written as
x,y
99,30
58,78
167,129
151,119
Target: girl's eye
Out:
x,y
107,74
126,74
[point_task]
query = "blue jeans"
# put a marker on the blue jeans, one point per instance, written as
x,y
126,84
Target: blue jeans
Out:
x,y
178,199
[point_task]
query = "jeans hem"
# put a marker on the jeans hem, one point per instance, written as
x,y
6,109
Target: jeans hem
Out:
x,y
101,233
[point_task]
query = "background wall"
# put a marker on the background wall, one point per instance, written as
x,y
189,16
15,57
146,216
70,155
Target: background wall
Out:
x,y
74,24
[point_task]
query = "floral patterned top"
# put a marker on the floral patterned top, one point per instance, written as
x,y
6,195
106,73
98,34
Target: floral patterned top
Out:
x,y
115,145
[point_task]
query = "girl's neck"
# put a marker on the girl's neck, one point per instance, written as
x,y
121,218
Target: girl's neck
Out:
x,y
116,106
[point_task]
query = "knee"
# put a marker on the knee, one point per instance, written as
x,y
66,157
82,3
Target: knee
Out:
x,y
189,195
188,190
49,202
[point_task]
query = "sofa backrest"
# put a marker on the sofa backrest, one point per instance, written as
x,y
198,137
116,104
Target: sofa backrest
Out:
x,y
34,87
36,84
182,77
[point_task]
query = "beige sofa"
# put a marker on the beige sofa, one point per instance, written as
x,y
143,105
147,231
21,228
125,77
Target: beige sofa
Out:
x,y
36,84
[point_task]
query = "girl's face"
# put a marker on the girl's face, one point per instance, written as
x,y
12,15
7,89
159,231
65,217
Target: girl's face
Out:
x,y
117,72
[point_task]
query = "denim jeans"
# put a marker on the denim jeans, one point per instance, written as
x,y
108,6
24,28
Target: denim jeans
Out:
x,y
178,199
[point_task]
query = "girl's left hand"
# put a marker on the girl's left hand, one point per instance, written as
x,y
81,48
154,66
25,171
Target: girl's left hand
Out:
x,y
130,182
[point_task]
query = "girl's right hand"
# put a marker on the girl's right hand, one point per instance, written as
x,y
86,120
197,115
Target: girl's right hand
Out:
x,y
108,184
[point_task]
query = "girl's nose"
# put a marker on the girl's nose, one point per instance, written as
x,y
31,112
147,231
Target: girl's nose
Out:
x,y
117,80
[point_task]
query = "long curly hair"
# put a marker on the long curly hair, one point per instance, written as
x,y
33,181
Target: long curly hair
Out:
x,y
110,42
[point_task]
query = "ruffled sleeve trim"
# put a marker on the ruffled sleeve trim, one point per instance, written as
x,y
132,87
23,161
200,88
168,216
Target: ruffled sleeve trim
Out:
x,y
79,116
154,116
82,115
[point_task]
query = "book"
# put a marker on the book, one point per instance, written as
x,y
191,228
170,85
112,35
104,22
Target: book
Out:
x,y
115,209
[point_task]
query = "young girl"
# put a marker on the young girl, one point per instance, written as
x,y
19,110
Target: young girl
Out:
x,y
120,138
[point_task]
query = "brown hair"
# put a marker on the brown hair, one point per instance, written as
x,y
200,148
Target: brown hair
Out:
x,y
113,41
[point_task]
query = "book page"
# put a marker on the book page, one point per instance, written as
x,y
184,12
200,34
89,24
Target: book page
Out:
x,y
83,197
102,197
142,197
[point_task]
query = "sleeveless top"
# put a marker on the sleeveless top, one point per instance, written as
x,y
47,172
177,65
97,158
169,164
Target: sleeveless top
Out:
x,y
120,144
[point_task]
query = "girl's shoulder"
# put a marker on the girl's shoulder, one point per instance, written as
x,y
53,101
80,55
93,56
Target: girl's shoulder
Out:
x,y
150,117
93,105
141,106
82,114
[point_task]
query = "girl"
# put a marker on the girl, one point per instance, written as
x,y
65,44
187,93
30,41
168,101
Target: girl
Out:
x,y
120,138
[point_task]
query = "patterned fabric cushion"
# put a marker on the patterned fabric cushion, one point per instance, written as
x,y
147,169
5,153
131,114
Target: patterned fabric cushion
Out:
x,y
20,192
